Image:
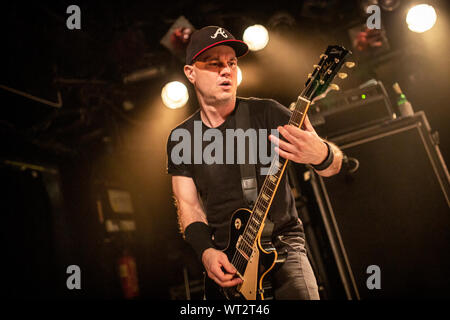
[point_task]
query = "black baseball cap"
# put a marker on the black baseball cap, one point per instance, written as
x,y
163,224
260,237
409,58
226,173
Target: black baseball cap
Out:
x,y
211,36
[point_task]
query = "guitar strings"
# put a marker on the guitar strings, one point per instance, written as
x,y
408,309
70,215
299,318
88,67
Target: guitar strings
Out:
x,y
238,260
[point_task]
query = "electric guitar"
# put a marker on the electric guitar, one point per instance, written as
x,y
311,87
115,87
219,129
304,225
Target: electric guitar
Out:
x,y
251,253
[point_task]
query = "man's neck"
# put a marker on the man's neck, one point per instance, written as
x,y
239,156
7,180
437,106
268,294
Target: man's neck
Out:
x,y
214,115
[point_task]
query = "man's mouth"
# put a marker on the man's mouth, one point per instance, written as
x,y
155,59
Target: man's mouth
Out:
x,y
225,84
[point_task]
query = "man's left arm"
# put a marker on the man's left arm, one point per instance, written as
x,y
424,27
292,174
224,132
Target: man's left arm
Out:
x,y
305,146
336,163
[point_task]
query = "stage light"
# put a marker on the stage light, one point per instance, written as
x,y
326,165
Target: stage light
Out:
x,y
239,76
256,37
421,18
174,95
177,37
127,105
389,5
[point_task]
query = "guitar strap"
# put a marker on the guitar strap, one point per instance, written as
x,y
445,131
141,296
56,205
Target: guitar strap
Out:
x,y
248,170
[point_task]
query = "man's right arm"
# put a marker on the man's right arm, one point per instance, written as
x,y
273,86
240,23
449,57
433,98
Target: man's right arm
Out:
x,y
190,211
189,207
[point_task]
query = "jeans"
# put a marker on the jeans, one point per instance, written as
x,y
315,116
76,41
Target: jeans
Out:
x,y
295,279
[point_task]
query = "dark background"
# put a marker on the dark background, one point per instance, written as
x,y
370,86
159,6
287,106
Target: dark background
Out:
x,y
92,143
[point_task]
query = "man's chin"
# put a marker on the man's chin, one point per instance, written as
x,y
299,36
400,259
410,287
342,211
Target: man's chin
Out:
x,y
225,97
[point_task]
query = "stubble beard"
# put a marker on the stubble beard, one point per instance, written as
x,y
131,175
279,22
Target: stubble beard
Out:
x,y
218,100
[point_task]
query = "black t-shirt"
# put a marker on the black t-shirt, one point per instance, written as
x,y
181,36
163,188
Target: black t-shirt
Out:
x,y
219,183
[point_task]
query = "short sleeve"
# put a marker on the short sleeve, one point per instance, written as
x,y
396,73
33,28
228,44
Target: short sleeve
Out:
x,y
279,115
177,164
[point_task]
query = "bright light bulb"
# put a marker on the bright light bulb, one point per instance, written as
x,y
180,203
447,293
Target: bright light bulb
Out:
x,y
421,18
256,37
239,76
174,95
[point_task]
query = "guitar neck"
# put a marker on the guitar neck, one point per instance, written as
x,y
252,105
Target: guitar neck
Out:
x,y
317,83
273,178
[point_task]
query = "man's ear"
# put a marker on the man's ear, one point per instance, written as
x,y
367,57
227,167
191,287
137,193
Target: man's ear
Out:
x,y
190,73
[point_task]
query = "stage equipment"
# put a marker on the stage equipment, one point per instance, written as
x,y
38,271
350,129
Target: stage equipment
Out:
x,y
341,112
388,210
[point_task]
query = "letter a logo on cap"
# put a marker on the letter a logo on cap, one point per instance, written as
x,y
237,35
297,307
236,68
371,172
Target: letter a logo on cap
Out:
x,y
219,30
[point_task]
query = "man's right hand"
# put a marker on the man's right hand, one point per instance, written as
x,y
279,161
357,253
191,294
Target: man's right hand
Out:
x,y
216,262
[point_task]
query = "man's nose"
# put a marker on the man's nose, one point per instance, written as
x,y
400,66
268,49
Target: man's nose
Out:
x,y
225,69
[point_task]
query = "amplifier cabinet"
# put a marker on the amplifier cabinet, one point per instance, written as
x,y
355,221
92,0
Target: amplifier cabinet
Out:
x,y
389,209
339,113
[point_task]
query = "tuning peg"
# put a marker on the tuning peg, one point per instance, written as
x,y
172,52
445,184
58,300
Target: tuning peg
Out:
x,y
316,66
334,86
350,64
342,75
323,55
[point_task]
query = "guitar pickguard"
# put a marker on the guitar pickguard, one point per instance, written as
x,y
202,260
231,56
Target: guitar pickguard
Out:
x,y
249,287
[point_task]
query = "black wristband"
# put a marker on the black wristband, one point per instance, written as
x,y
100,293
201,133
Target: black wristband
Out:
x,y
198,235
328,160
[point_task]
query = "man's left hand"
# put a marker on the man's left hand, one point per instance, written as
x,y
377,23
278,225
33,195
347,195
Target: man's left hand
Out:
x,y
302,146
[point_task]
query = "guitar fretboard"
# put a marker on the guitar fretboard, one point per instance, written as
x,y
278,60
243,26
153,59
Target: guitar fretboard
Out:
x,y
270,186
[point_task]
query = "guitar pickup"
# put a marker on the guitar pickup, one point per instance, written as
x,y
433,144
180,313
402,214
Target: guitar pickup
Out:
x,y
244,248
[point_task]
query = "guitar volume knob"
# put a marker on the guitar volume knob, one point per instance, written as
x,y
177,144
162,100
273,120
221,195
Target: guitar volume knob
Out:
x,y
237,223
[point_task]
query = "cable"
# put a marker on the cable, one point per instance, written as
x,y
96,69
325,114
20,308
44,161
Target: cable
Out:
x,y
57,104
346,161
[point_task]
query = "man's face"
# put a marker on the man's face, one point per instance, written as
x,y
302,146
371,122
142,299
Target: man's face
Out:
x,y
214,74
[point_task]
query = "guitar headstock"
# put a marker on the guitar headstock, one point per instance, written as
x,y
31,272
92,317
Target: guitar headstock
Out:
x,y
325,71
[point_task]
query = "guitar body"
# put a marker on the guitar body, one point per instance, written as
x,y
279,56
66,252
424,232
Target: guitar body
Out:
x,y
256,276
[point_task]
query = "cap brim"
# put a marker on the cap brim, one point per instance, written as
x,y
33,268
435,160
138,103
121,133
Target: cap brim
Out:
x,y
240,47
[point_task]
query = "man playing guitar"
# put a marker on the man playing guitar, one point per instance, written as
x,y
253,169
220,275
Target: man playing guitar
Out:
x,y
206,194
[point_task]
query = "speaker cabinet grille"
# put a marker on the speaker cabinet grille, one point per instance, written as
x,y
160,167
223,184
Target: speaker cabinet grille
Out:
x,y
392,212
